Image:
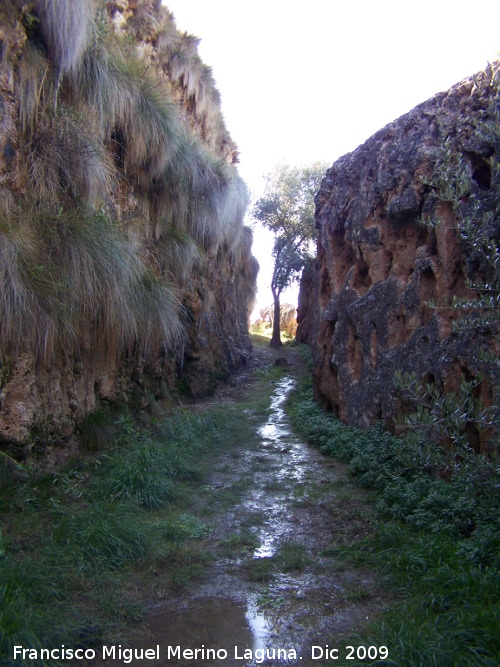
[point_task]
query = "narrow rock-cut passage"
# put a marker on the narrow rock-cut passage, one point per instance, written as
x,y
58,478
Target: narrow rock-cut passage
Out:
x,y
275,508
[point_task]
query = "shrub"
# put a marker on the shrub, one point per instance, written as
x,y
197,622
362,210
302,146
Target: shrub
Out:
x,y
467,418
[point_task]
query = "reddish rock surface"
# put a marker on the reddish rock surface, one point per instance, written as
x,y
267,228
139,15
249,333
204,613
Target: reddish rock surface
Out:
x,y
363,307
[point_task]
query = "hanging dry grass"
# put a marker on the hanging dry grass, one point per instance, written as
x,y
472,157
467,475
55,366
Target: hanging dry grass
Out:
x,y
251,280
153,133
246,267
66,156
98,265
131,106
158,312
29,294
143,23
207,96
176,250
179,56
202,194
240,245
73,281
170,194
36,86
65,27
218,204
185,64
167,39
115,301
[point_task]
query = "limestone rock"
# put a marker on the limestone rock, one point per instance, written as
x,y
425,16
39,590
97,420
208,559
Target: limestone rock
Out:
x,y
364,305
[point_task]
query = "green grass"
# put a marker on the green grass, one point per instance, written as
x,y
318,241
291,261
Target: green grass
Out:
x,y
103,536
73,541
292,556
437,544
97,430
257,401
261,335
238,542
261,569
186,525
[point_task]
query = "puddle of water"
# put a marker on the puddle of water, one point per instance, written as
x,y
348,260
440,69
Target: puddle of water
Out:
x,y
214,626
219,629
267,546
258,625
277,436
274,431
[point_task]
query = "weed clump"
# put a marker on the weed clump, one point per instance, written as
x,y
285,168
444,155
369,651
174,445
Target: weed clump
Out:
x,y
142,470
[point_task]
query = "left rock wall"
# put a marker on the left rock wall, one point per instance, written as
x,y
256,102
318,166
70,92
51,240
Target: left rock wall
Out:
x,y
126,271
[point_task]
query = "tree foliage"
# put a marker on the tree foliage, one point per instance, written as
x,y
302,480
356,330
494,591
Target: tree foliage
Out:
x,y
287,209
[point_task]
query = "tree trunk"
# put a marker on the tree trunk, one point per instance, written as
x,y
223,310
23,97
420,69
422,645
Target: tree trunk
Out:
x,y
276,338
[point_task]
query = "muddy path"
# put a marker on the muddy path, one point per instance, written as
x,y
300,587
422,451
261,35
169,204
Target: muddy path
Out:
x,y
275,508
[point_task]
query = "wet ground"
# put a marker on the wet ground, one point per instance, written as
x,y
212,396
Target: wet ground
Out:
x,y
274,591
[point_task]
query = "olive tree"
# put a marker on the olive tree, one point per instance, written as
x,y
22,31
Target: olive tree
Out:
x,y
287,209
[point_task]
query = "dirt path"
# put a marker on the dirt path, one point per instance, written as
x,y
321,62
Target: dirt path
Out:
x,y
275,507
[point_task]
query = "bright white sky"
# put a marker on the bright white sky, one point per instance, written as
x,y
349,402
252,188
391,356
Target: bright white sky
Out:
x,y
311,80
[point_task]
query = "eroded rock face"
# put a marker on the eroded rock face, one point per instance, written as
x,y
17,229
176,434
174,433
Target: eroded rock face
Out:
x,y
65,90
364,307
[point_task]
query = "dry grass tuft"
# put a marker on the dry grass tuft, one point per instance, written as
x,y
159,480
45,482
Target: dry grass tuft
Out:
x,y
66,156
36,86
184,62
65,26
218,201
73,281
177,252
25,291
131,106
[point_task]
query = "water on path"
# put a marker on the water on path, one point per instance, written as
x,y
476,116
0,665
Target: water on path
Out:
x,y
271,604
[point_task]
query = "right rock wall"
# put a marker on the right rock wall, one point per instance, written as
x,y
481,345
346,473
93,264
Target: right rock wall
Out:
x,y
394,249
